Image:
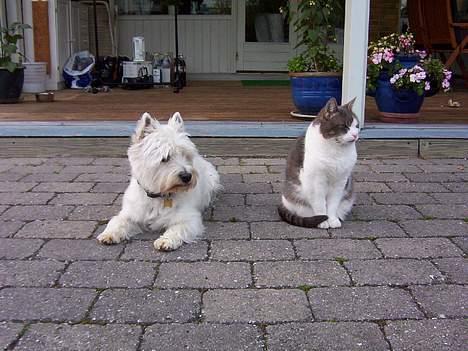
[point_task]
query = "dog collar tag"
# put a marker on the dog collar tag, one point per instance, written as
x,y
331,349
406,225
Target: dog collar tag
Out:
x,y
167,202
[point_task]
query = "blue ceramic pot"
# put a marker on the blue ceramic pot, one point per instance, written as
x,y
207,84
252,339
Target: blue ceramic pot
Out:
x,y
397,105
311,91
408,61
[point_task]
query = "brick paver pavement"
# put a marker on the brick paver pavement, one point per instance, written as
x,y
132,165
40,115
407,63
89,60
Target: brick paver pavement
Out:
x,y
393,278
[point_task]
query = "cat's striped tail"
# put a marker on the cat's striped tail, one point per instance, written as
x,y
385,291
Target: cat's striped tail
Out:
x,y
307,222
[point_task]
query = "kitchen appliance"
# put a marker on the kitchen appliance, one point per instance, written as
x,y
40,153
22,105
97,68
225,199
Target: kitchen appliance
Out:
x,y
139,52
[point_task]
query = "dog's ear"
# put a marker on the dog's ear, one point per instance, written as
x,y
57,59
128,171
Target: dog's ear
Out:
x,y
176,122
144,126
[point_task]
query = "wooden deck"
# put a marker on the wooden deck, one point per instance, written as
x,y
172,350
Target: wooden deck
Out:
x,y
201,100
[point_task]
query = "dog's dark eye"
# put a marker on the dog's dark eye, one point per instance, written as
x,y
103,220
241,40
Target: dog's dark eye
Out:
x,y
166,159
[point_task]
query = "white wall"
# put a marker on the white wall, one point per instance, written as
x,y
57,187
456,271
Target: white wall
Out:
x,y
208,42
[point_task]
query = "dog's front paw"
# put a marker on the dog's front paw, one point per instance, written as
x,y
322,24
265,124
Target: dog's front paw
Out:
x,y
334,222
108,238
165,244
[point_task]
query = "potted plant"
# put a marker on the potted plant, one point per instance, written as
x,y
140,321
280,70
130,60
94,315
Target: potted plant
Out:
x,y
400,77
315,73
11,72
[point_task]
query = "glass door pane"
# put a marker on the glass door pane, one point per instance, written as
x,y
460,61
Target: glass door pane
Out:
x,y
267,21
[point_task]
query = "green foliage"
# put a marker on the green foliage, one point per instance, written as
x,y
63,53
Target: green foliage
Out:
x,y
315,22
9,37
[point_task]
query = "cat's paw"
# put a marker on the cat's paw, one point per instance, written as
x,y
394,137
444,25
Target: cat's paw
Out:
x,y
334,222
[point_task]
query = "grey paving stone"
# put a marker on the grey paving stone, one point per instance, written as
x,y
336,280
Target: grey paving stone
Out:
x,y
282,230
60,337
70,160
404,161
146,306
247,188
109,187
362,303
403,199
336,248
418,187
84,198
11,177
263,178
9,333
435,177
206,275
50,177
7,229
3,208
442,168
242,169
263,199
417,248
23,160
326,337
144,250
392,272
30,273
62,187
434,335
251,250
18,248
94,213
230,178
374,229
109,274
371,187
435,227
226,230
396,168
444,211
451,198
114,161
37,212
387,212
57,229
280,169
462,243
25,198
457,187
16,186
230,199
363,199
455,269
245,213
442,301
69,249
218,161
46,168
295,274
45,304
263,161
95,169
202,337
379,177
103,177
256,306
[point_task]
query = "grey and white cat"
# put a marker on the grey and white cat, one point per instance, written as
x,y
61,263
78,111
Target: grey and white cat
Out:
x,y
318,190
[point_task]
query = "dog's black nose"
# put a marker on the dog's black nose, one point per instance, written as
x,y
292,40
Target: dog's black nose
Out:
x,y
185,176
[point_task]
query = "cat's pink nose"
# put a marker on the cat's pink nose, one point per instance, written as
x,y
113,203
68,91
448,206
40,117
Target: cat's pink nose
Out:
x,y
355,136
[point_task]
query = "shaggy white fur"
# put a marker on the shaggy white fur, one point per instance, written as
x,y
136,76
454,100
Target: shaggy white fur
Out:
x,y
171,185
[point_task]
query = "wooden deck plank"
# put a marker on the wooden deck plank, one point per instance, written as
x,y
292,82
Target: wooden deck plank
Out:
x,y
202,101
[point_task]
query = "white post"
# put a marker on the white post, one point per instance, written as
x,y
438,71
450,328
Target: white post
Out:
x,y
355,54
28,33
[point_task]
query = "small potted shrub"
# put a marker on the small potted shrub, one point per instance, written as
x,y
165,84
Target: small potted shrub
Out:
x,y
400,77
315,73
11,72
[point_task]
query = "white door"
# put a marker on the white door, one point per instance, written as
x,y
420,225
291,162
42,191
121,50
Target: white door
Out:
x,y
63,32
265,39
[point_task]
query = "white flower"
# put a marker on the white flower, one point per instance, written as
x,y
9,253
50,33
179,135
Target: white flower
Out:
x,y
412,78
427,86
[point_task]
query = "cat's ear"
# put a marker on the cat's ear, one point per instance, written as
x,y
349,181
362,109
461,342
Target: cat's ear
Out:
x,y
330,108
350,104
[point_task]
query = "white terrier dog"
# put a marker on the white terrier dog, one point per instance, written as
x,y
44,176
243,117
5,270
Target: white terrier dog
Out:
x,y
171,185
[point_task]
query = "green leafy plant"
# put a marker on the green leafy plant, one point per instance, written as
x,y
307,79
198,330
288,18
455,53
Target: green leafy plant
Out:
x,y
9,37
315,22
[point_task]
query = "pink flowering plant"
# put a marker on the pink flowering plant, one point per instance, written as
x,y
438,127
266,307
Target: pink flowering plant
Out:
x,y
384,60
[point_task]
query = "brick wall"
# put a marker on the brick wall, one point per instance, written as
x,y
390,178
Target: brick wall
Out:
x,y
384,18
